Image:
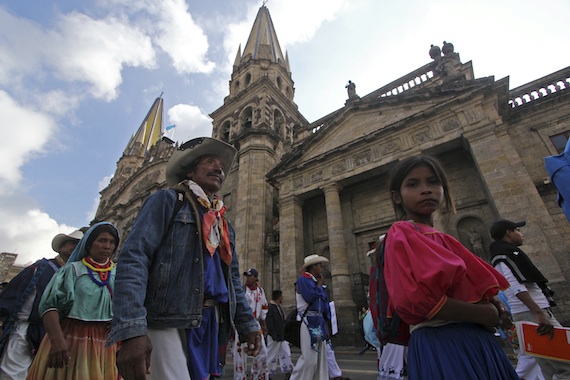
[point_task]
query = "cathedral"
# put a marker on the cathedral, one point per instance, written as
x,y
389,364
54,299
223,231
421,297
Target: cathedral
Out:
x,y
299,187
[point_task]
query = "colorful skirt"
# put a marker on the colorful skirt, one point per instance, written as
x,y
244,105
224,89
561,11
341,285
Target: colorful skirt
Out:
x,y
90,359
457,351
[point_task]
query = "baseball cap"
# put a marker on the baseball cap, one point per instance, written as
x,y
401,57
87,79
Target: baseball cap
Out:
x,y
501,226
251,272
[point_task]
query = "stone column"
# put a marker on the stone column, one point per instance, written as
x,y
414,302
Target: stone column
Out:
x,y
341,284
291,251
515,195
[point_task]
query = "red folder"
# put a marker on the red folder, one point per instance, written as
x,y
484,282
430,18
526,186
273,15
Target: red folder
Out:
x,y
557,348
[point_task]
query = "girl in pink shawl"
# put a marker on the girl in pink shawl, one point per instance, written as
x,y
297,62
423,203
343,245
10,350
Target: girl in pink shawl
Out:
x,y
445,292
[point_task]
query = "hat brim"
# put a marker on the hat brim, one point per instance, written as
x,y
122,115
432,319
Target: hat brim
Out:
x,y
183,157
59,239
314,261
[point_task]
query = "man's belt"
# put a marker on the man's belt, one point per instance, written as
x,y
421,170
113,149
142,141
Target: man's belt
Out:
x,y
209,302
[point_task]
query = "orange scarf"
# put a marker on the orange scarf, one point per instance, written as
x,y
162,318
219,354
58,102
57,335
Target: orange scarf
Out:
x,y
215,231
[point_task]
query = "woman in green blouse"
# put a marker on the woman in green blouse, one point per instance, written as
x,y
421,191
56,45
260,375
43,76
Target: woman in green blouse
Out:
x,y
76,309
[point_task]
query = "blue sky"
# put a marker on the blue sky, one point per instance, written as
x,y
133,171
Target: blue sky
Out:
x,y
78,77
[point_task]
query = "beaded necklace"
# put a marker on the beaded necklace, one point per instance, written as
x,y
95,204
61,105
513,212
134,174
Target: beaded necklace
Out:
x,y
103,271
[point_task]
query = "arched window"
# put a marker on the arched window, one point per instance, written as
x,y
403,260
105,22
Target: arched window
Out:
x,y
279,82
278,121
247,79
225,131
246,118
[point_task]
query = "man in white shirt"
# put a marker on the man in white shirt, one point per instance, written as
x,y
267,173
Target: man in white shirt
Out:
x,y
529,296
255,296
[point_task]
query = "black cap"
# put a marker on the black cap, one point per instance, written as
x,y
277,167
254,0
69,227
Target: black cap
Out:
x,y
501,226
251,272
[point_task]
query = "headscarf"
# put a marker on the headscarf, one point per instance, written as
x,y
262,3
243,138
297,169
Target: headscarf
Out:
x,y
81,250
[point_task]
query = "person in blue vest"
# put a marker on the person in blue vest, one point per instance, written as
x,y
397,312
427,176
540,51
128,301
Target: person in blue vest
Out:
x,y
23,327
558,168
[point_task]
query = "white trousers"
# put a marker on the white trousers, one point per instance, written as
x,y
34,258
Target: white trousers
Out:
x,y
311,365
168,358
278,352
334,369
527,367
17,356
259,369
392,362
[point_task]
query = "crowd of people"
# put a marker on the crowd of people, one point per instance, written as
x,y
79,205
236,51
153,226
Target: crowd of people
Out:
x,y
174,301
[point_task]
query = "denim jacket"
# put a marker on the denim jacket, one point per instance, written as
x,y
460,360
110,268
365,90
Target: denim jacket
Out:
x,y
160,275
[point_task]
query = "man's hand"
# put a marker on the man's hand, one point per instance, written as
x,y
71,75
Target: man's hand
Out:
x,y
253,340
545,327
133,358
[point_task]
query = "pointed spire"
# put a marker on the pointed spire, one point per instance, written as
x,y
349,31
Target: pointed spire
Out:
x,y
287,62
149,131
262,42
238,58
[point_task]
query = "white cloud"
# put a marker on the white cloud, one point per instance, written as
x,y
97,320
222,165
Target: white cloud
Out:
x,y
95,51
29,231
18,51
24,132
190,122
81,49
182,39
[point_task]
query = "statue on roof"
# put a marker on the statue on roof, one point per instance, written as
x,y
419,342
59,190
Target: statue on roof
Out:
x,y
435,52
447,48
351,89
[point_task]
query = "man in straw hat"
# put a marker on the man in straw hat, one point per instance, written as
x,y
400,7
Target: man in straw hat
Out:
x,y
313,303
23,327
177,286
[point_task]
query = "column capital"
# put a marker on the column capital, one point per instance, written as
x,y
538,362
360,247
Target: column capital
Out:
x,y
291,200
333,186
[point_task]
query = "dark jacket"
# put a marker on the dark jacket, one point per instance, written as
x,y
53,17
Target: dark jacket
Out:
x,y
274,322
160,275
36,276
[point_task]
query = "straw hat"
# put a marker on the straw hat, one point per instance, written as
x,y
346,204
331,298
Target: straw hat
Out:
x,y
187,153
59,239
311,260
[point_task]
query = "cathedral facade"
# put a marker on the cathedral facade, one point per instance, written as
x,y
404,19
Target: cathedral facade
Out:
x,y
299,187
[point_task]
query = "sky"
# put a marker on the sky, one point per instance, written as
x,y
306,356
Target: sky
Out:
x,y
78,77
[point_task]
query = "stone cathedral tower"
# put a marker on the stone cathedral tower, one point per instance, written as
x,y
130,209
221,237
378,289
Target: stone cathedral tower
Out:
x,y
140,172
259,118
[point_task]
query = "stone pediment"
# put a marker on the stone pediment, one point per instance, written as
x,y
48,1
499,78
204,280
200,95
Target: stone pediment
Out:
x,y
352,126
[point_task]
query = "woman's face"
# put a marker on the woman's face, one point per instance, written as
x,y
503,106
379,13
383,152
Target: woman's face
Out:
x,y
102,248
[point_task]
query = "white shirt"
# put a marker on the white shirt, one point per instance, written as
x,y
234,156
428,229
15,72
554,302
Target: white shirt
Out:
x,y
517,306
257,301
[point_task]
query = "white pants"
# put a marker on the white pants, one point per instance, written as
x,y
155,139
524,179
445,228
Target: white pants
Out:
x,y
168,358
259,369
334,369
17,356
392,362
527,367
278,351
311,365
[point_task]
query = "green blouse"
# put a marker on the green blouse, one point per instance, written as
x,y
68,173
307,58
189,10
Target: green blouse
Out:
x,y
73,293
